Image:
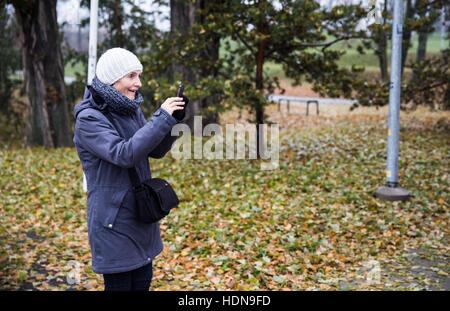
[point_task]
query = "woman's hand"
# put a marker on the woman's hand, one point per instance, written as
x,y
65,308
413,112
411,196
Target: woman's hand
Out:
x,y
173,103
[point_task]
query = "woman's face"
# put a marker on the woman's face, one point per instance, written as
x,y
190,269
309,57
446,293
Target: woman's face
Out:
x,y
129,84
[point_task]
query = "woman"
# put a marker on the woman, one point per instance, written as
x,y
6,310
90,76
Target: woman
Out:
x,y
122,247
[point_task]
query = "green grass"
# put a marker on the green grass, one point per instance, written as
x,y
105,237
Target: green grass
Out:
x,y
352,57
433,44
370,61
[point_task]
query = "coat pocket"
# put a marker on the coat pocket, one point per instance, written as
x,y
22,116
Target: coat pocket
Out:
x,y
107,205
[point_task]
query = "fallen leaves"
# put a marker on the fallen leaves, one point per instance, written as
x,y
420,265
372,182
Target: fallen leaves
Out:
x,y
312,224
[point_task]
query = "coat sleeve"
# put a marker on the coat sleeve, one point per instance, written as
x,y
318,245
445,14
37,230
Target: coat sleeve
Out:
x,y
165,145
95,133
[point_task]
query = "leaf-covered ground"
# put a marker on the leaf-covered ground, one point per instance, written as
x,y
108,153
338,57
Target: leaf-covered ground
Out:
x,y
313,224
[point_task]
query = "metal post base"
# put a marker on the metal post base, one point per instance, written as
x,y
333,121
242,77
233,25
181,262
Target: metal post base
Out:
x,y
393,193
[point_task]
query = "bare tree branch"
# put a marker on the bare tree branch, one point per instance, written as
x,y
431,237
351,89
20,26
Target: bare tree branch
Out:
x,y
244,42
324,45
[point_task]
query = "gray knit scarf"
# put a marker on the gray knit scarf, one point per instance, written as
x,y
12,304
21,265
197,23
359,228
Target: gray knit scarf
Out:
x,y
116,100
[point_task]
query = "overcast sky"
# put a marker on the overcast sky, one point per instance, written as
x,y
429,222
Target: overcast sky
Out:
x,y
69,11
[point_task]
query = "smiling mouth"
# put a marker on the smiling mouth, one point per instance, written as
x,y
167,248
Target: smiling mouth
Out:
x,y
131,94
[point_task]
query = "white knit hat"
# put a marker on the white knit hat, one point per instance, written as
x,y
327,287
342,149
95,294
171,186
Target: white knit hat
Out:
x,y
115,63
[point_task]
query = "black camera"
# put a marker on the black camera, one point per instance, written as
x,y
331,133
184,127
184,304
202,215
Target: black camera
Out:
x,y
180,114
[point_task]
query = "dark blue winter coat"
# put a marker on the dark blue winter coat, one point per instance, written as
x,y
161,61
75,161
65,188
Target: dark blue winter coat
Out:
x,y
118,241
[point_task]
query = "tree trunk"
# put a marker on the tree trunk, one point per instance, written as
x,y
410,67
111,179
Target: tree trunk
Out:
x,y
33,50
382,57
422,46
259,108
259,80
211,53
423,10
181,20
54,79
382,48
44,74
183,15
117,21
37,130
38,125
409,14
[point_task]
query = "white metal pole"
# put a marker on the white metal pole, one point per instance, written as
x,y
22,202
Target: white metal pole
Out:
x,y
93,28
392,191
394,96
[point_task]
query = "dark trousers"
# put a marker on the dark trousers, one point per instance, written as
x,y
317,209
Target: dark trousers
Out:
x,y
134,280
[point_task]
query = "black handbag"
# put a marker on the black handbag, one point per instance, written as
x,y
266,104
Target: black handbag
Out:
x,y
155,197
